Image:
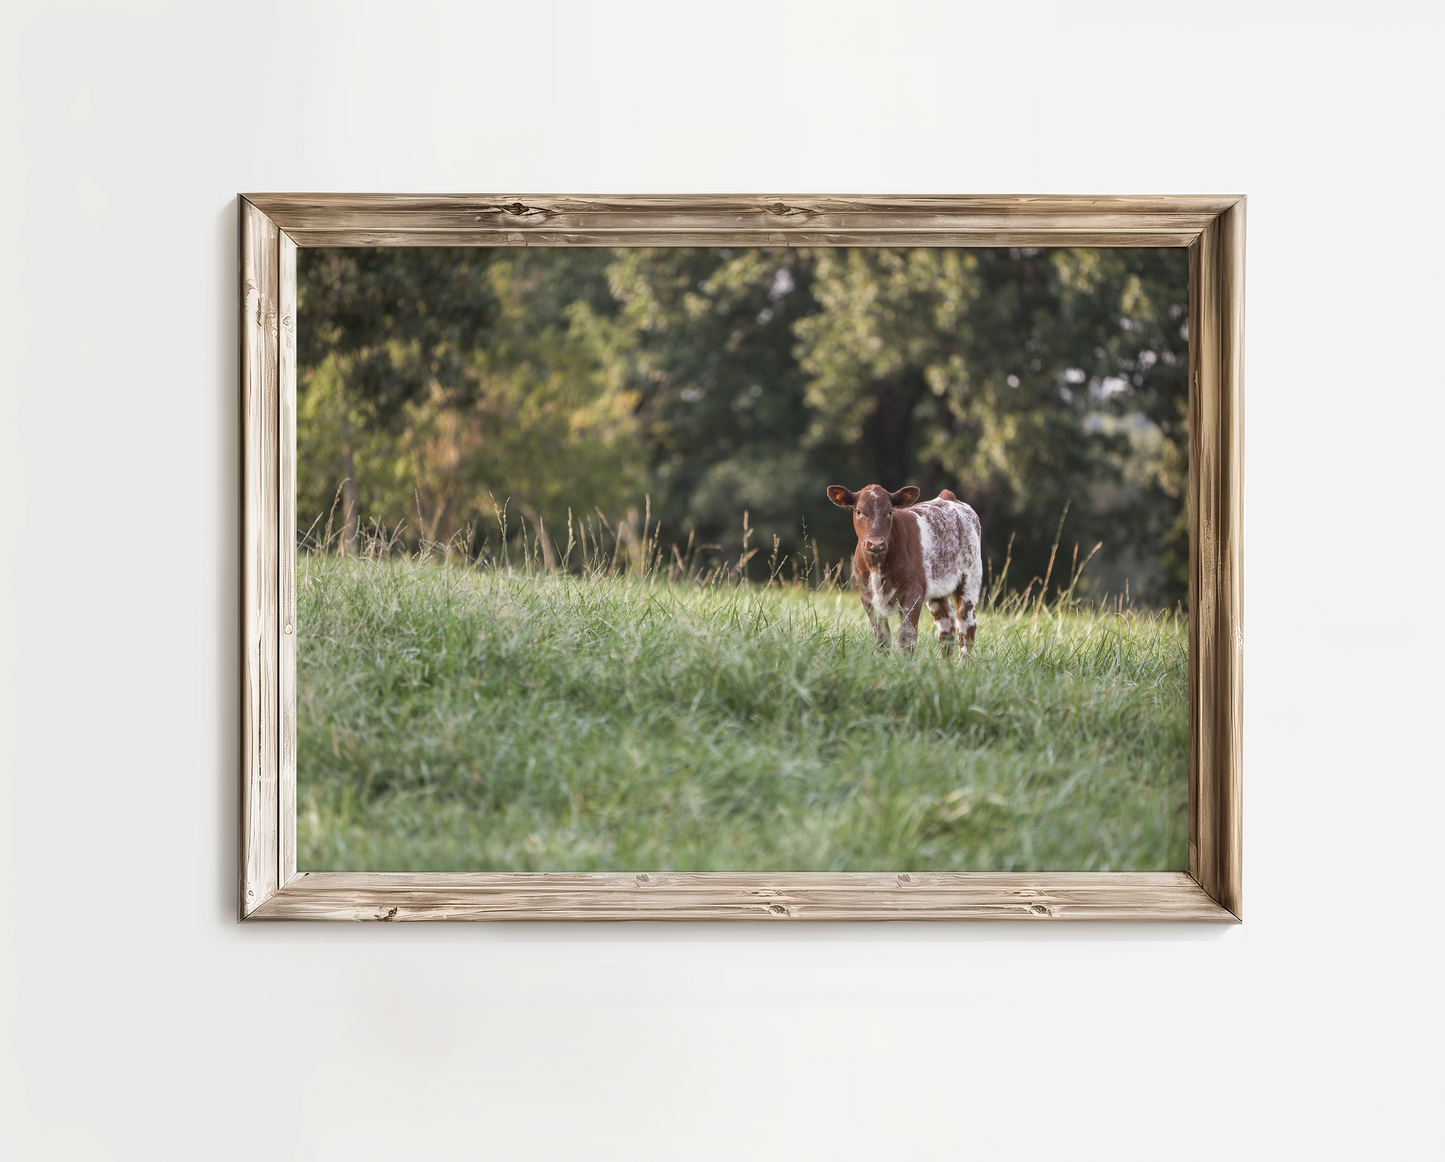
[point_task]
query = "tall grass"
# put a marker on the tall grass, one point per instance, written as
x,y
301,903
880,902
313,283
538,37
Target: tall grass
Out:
x,y
627,710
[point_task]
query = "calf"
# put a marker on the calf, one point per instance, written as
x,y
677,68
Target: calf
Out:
x,y
911,553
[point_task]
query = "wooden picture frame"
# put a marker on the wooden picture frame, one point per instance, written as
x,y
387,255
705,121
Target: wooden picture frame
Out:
x,y
273,226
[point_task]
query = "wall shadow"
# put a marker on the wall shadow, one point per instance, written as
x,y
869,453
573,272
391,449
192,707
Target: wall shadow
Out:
x,y
226,459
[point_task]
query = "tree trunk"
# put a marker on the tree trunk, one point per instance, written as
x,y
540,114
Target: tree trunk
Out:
x,y
928,479
930,475
888,430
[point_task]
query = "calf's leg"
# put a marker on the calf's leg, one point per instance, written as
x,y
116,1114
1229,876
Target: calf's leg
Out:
x,y
908,630
942,610
967,594
878,619
970,624
880,630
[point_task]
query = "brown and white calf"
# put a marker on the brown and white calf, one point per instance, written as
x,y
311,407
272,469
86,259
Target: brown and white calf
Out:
x,y
909,554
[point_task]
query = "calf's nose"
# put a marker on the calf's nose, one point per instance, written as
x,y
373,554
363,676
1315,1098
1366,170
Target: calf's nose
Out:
x,y
875,546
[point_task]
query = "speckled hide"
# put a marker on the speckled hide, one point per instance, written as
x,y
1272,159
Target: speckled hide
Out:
x,y
910,555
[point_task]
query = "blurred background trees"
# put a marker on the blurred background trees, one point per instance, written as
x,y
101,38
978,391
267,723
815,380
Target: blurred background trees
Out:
x,y
436,384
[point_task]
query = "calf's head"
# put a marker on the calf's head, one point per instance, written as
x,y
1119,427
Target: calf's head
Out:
x,y
873,514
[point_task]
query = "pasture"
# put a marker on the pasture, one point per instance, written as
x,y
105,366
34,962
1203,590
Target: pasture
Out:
x,y
479,718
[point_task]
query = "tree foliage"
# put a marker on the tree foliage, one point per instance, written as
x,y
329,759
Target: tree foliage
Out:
x,y
708,338
716,382
488,390
1023,380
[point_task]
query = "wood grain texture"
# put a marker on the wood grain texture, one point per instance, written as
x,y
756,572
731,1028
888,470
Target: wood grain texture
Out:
x,y
286,557
1021,236
272,227
738,220
1216,577
1203,463
259,297
1228,710
381,896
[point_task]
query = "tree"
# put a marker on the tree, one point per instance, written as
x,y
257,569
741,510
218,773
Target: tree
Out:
x,y
720,382
707,337
391,323
437,383
1023,380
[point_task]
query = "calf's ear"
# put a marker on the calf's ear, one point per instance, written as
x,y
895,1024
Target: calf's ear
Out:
x,y
904,496
842,497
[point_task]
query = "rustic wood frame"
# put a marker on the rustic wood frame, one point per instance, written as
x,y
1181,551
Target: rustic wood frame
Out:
x,y
273,226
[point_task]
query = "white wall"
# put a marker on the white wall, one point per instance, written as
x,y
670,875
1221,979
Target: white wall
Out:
x,y
142,1021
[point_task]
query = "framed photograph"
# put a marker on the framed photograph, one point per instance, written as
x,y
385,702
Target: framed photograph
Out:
x,y
741,557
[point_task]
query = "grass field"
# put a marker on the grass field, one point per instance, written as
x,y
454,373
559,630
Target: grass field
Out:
x,y
458,719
